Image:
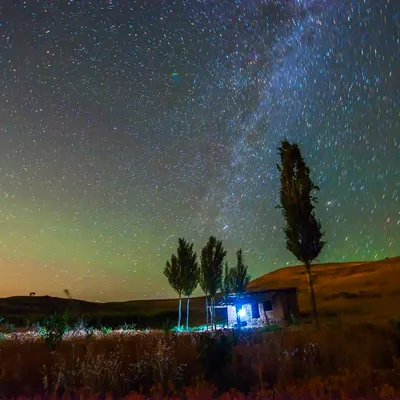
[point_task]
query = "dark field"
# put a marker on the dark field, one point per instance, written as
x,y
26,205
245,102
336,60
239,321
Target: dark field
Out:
x,y
355,354
336,362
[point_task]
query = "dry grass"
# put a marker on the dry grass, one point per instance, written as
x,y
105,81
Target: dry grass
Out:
x,y
353,291
357,359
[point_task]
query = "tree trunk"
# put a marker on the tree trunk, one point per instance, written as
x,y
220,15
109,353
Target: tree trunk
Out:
x,y
213,314
179,312
312,295
215,319
207,312
215,322
187,314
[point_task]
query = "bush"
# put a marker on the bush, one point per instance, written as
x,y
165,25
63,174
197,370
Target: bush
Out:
x,y
53,329
356,360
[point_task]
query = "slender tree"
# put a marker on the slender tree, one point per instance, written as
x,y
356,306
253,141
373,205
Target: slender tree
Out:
x,y
239,278
226,287
189,272
203,279
212,258
172,271
302,229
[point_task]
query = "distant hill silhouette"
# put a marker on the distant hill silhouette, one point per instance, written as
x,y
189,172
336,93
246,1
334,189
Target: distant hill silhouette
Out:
x,y
356,289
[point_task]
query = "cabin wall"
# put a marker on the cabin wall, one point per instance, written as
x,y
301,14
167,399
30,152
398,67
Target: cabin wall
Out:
x,y
266,314
249,313
272,307
263,317
293,304
255,313
277,315
285,303
232,317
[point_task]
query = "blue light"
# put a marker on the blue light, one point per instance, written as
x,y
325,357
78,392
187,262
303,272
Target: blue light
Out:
x,y
242,312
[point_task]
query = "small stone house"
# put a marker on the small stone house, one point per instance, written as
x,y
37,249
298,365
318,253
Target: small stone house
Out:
x,y
276,306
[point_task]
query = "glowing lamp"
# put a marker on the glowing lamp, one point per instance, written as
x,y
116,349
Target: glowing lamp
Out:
x,y
242,313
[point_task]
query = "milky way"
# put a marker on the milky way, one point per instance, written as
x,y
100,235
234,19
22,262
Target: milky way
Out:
x,y
127,124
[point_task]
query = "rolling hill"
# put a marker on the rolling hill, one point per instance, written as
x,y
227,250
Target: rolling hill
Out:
x,y
366,290
358,289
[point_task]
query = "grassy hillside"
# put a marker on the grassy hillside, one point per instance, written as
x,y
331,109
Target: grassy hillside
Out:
x,y
366,290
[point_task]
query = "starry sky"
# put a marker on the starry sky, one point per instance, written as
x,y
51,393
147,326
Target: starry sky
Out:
x,y
127,124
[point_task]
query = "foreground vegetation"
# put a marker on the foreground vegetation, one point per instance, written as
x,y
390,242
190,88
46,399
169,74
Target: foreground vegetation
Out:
x,y
355,353
297,362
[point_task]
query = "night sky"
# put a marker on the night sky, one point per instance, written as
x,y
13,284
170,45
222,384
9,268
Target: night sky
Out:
x,y
127,124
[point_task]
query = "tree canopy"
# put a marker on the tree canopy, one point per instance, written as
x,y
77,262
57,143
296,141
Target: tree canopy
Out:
x,y
238,275
189,267
302,229
212,257
172,272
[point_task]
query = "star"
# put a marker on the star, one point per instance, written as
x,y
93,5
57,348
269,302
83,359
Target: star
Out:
x,y
125,126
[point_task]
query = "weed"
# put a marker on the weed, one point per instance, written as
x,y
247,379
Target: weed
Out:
x,y
106,330
53,329
128,327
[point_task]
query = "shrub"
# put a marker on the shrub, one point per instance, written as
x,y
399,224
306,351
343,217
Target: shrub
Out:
x,y
128,327
53,329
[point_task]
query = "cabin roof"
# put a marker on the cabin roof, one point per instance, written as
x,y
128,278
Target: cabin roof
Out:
x,y
247,296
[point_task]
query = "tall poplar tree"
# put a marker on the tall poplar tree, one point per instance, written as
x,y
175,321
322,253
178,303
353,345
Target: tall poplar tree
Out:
x,y
239,279
302,229
172,271
226,287
189,272
239,276
211,271
203,282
